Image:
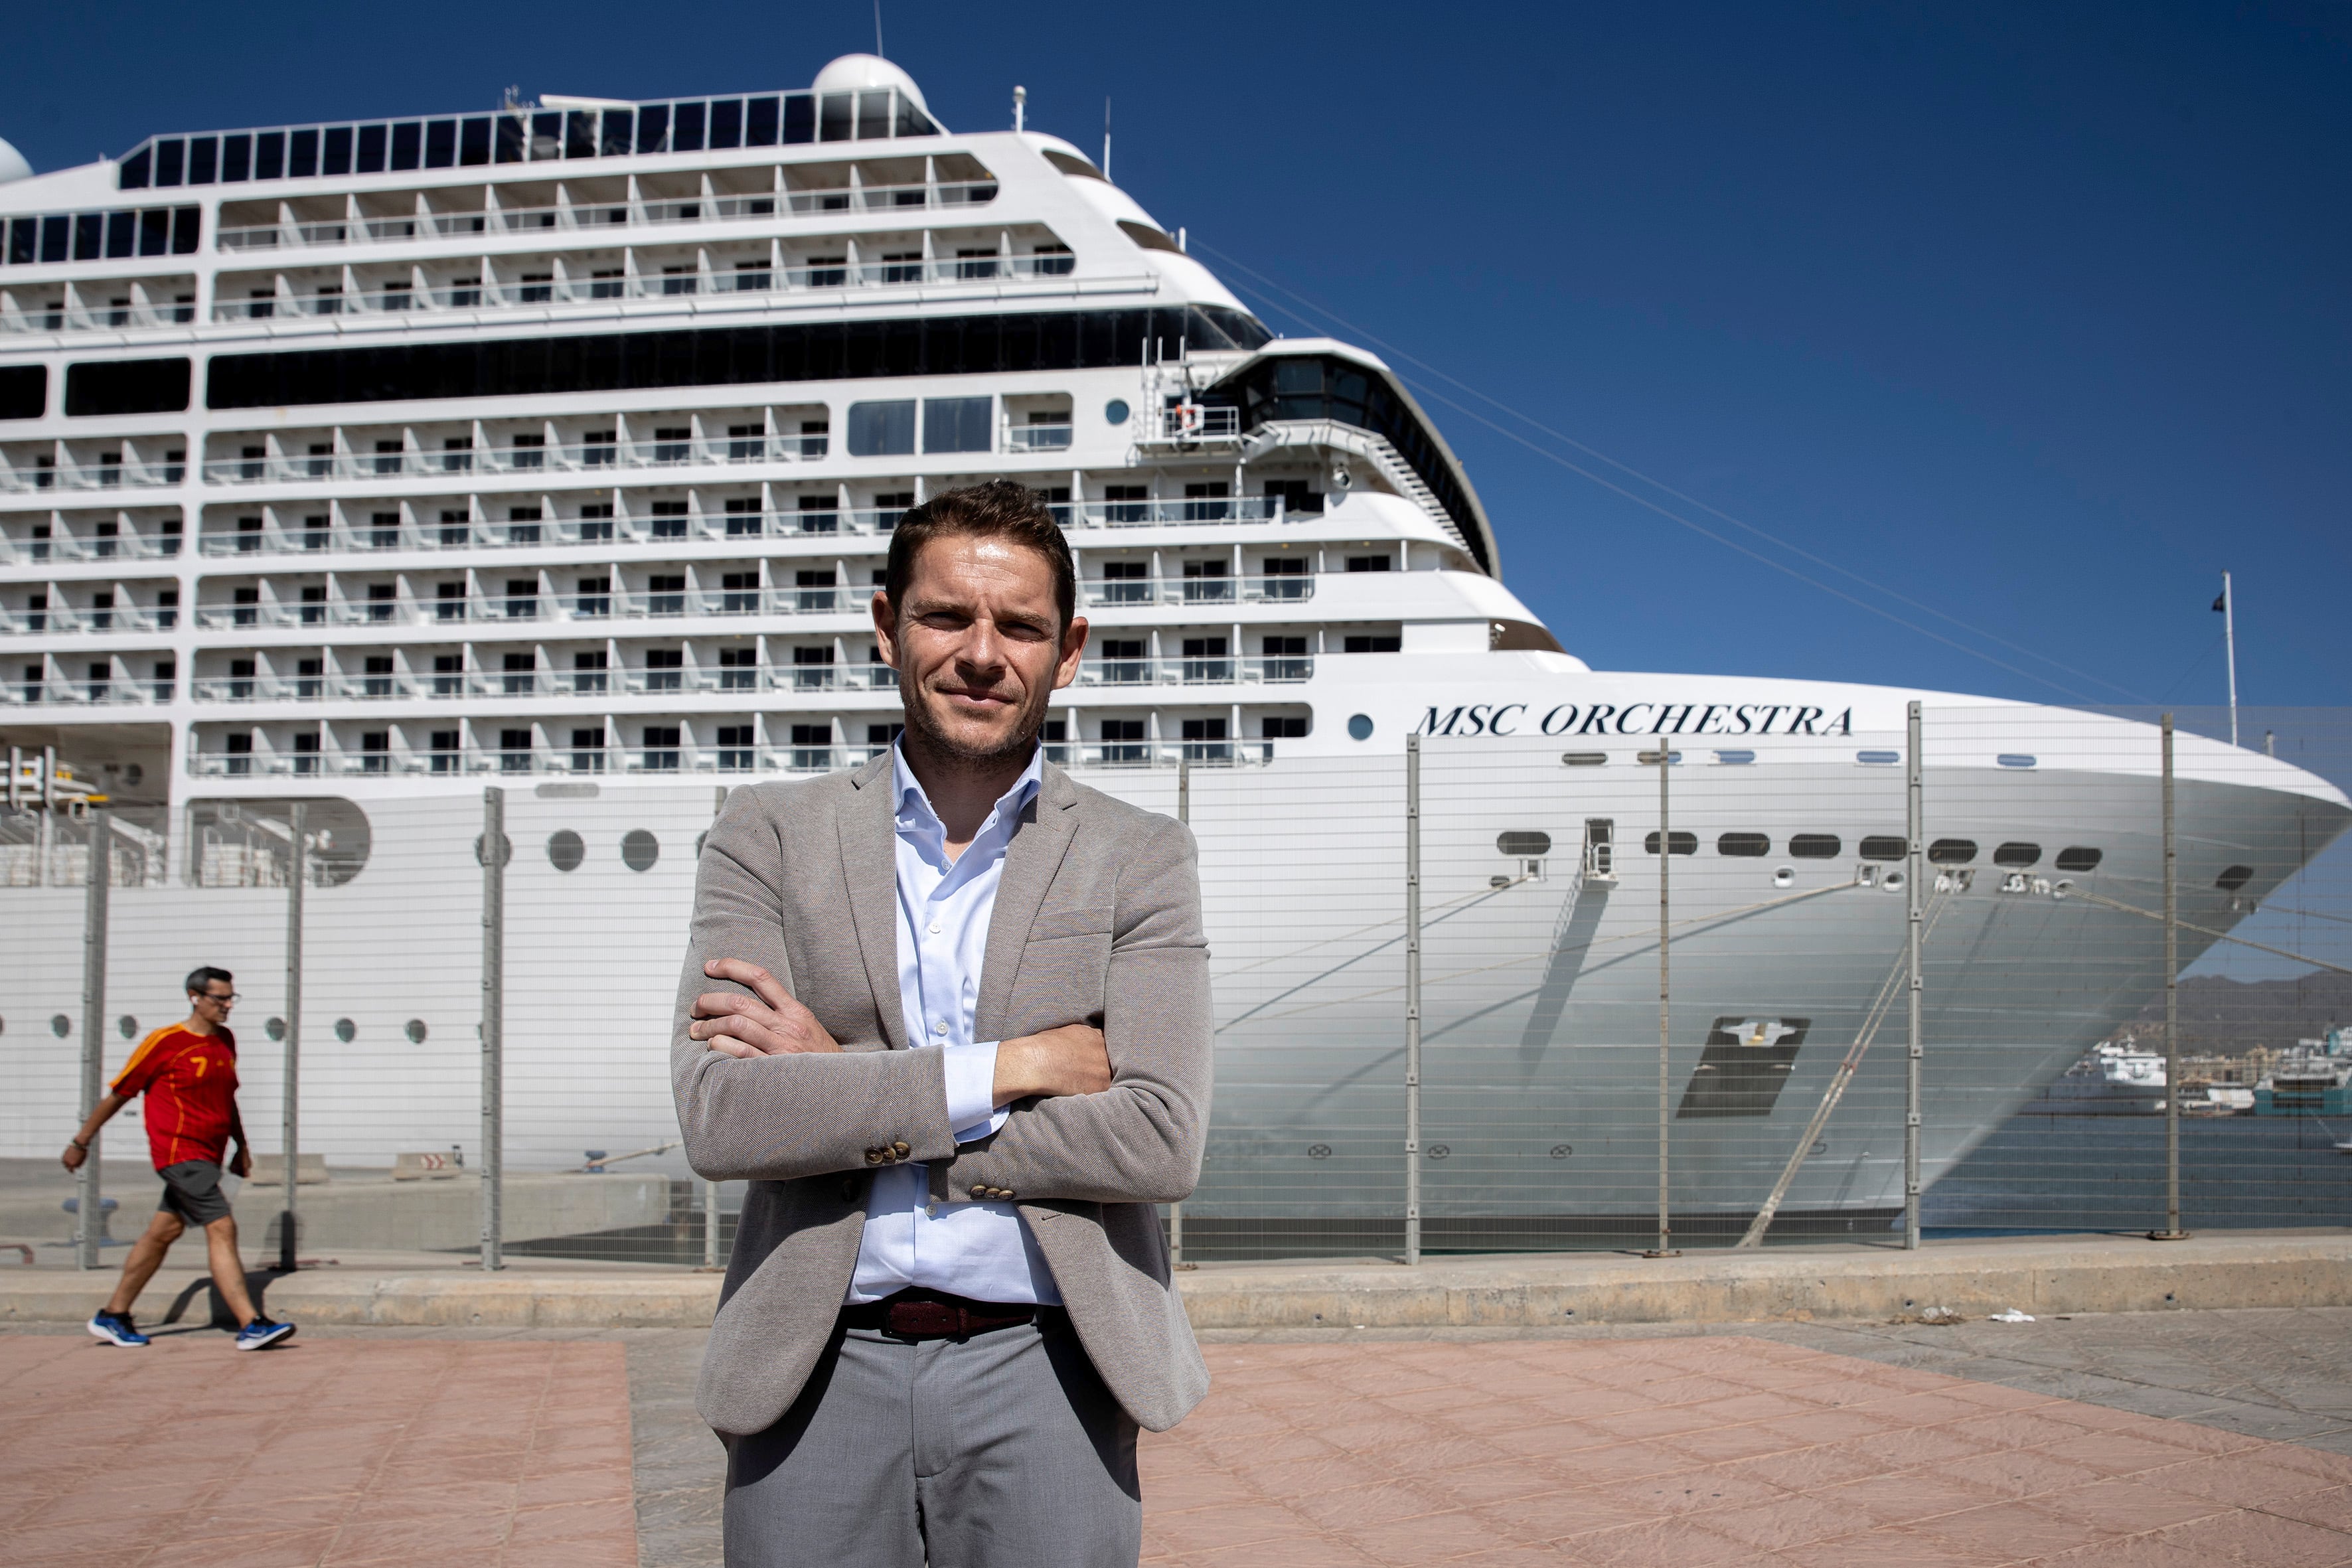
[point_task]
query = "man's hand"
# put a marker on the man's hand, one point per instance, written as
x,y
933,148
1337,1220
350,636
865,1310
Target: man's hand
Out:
x,y
1071,1059
73,1157
768,1023
240,1164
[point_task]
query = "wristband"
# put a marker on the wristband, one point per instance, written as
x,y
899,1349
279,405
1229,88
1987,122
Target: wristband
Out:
x,y
78,1145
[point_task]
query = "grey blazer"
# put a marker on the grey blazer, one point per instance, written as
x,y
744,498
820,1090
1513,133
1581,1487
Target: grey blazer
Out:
x,y
1097,916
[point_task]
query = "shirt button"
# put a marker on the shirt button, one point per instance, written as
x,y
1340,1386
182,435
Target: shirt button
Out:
x,y
935,928
940,1028
931,1211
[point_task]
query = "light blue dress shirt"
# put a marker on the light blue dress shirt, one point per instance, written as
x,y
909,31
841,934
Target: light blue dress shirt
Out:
x,y
982,1250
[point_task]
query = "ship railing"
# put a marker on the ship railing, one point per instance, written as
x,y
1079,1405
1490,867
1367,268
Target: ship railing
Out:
x,y
1199,670
1193,510
1038,438
381,688
96,547
109,692
1187,423
124,473
1219,590
1160,753
54,618
777,759
602,216
125,317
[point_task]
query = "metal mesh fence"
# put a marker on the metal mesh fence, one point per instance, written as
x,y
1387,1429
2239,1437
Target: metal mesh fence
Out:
x,y
1766,1096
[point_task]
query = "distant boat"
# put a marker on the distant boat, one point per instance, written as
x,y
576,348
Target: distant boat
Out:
x,y
2114,1078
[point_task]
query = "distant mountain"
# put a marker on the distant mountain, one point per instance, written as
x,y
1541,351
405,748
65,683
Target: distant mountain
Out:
x,y
2222,1015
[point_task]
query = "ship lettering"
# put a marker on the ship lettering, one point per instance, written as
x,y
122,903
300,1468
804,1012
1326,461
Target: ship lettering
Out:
x,y
1640,718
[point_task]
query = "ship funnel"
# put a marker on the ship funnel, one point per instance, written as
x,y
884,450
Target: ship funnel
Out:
x,y
13,165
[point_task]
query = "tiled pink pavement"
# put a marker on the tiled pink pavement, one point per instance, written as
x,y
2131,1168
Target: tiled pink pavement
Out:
x,y
338,1451
1690,1452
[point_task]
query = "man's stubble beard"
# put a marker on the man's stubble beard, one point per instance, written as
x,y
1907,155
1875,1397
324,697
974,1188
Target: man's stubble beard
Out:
x,y
930,737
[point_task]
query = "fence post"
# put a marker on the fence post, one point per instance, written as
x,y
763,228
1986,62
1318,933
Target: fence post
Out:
x,y
1665,1248
289,1133
1184,815
494,959
1915,857
90,1223
1412,1001
2172,1231
710,1224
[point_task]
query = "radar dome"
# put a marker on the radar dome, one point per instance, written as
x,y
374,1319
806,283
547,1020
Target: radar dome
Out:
x,y
13,165
852,72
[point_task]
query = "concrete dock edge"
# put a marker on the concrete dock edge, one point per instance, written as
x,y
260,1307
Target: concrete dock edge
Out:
x,y
2039,1275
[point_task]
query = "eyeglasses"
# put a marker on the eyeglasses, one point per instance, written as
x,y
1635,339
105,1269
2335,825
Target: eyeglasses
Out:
x,y
209,996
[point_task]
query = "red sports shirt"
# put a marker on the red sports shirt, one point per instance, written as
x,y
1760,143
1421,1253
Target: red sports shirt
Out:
x,y
190,1082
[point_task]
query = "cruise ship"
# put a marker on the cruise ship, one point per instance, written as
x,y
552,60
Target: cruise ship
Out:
x,y
557,448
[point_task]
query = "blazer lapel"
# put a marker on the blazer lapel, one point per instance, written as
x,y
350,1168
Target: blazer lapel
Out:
x,y
1031,861
869,860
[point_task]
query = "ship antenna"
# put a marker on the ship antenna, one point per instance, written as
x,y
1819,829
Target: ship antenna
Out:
x,y
1106,136
1019,107
878,31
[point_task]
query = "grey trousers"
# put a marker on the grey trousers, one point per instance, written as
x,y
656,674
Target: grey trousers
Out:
x,y
1003,1451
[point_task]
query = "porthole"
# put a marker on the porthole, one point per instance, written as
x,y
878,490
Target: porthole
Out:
x,y
1116,411
1815,845
127,1027
506,849
1562,1150
414,1030
2080,857
1318,1150
1734,759
1884,847
1680,843
565,849
1360,727
2016,760
1584,759
275,1028
2017,853
639,849
1878,759
2232,878
1744,846
62,1025
345,1030
1523,846
1951,851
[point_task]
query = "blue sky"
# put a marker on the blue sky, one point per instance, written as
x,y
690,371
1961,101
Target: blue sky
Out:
x,y
2035,317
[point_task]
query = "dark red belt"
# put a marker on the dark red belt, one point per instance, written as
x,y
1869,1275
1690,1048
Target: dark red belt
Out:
x,y
918,1315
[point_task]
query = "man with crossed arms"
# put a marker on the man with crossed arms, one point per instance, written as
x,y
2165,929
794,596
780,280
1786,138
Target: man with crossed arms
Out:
x,y
949,1016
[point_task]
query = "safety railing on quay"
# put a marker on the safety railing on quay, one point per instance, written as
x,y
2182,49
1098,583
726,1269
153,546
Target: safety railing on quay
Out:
x,y
1982,970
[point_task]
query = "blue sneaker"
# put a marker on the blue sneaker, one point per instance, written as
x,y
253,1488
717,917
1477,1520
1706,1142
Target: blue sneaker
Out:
x,y
117,1329
261,1334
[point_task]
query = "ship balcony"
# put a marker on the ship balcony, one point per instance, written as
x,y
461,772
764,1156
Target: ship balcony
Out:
x,y
1053,437
1193,509
97,318
1097,593
485,535
1188,425
589,457
657,603
54,619
662,761
602,219
121,473
69,548
61,692
403,303
1221,670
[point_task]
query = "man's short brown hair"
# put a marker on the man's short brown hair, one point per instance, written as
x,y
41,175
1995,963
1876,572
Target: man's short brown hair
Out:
x,y
997,510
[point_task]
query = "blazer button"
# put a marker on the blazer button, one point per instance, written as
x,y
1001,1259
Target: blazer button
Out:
x,y
979,1191
901,1150
873,1156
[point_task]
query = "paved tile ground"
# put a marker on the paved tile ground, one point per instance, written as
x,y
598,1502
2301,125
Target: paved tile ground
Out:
x,y
327,1450
1700,1450
2193,1397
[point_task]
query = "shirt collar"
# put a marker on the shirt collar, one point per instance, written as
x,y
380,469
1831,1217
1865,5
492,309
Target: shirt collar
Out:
x,y
914,808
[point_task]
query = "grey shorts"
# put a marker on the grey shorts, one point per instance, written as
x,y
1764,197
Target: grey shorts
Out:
x,y
191,1190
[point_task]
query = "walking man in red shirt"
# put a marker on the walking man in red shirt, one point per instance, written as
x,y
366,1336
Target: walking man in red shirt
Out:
x,y
188,1073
